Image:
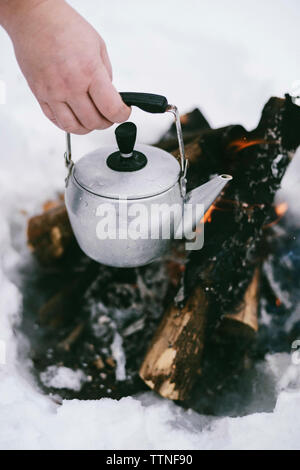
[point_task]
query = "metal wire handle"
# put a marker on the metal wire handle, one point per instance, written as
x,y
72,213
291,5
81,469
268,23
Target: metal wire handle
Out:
x,y
183,160
68,152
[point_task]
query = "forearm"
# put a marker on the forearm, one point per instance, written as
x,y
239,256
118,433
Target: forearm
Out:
x,y
13,12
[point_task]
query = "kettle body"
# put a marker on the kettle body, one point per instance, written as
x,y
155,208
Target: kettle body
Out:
x,y
110,248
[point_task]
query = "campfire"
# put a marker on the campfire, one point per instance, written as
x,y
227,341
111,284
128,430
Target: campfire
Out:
x,y
188,325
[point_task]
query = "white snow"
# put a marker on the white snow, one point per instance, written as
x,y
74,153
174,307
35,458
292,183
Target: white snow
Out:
x,y
119,356
63,377
226,57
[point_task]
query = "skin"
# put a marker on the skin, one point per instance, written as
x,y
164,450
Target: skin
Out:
x,y
65,63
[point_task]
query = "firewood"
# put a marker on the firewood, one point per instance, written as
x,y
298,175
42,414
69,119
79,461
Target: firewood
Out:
x,y
223,270
174,356
50,234
227,356
176,348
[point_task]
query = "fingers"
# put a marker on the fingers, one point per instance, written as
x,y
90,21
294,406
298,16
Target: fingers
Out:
x,y
78,117
87,114
48,113
65,118
106,98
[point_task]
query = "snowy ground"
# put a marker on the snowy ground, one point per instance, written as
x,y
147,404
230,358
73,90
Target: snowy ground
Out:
x,y
226,57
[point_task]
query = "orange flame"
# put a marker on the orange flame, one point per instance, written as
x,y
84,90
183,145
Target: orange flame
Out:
x,y
240,144
207,215
281,209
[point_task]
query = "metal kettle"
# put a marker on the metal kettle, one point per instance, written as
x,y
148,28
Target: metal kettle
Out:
x,y
127,202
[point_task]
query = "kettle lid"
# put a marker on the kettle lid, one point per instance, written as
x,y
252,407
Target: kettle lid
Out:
x,y
127,172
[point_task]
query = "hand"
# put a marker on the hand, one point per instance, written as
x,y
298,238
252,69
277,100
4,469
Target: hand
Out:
x,y
66,66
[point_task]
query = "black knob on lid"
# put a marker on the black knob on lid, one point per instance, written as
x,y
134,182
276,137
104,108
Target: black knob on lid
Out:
x,y
126,136
126,159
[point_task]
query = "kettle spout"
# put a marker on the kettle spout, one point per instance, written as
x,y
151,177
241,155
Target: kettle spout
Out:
x,y
208,192
203,195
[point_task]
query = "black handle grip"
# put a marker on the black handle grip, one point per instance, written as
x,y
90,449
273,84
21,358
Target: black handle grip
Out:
x,y
146,101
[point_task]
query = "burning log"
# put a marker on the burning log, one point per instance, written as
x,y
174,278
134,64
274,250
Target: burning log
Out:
x,y
228,354
221,275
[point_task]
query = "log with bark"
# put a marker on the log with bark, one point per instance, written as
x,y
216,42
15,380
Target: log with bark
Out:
x,y
49,234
